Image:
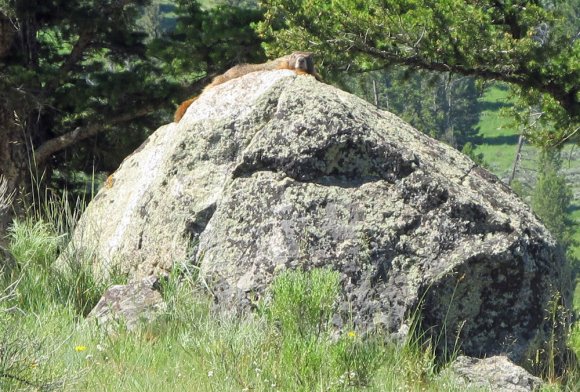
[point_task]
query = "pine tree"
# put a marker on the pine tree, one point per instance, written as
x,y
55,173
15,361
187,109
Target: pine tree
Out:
x,y
82,84
444,106
531,44
552,197
73,69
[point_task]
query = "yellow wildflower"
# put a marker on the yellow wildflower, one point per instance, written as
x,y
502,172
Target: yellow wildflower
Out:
x,y
351,334
79,349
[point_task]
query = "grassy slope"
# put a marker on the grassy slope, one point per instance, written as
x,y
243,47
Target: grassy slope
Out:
x,y
498,139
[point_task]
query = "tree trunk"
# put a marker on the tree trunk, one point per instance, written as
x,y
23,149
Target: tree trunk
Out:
x,y
517,159
376,94
7,32
19,117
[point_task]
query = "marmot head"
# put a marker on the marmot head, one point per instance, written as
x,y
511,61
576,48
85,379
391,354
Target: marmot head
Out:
x,y
302,61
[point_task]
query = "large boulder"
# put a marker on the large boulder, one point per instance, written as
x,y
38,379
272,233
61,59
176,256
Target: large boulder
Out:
x,y
276,171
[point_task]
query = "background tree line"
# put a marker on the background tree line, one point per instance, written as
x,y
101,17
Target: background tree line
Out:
x,y
84,82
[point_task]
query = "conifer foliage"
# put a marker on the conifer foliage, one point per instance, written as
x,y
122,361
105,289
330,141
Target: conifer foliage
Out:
x,y
83,82
530,44
72,69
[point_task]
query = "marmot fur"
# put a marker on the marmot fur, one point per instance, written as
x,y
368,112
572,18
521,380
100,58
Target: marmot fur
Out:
x,y
300,62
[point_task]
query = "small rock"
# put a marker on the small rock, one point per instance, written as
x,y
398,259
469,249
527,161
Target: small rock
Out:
x,y
497,373
130,304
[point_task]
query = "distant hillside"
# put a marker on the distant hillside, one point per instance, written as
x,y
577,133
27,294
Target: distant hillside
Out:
x,y
498,142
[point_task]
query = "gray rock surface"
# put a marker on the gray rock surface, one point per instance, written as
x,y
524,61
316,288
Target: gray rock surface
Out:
x,y
497,374
129,305
274,171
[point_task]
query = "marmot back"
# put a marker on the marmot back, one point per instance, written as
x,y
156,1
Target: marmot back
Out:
x,y
300,62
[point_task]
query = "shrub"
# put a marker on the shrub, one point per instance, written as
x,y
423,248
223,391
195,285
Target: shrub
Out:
x,y
303,302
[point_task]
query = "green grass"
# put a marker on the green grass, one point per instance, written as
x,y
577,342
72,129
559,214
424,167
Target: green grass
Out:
x,y
287,346
498,137
39,282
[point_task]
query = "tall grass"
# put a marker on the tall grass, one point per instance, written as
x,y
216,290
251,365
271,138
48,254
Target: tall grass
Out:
x,y
35,288
303,303
35,245
6,197
288,346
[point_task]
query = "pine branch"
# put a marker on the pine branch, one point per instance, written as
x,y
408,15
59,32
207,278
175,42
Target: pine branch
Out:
x,y
525,79
52,146
85,41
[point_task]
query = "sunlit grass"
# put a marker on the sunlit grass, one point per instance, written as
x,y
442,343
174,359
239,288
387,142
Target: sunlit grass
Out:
x,y
499,138
194,347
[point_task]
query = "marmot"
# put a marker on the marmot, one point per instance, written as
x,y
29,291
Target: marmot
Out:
x,y
300,62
